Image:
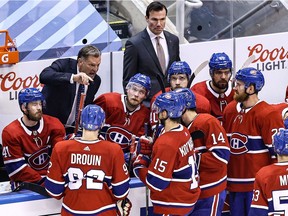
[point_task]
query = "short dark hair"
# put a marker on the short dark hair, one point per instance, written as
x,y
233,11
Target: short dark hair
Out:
x,y
87,51
155,6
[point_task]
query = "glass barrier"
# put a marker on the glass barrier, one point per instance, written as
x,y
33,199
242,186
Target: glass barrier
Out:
x,y
201,20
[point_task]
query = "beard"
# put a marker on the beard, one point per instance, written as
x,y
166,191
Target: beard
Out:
x,y
223,84
34,117
240,97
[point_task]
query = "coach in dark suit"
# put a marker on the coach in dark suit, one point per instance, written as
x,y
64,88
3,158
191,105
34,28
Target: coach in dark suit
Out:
x,y
62,80
141,54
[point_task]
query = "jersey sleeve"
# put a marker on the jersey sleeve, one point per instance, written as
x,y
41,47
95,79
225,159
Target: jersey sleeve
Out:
x,y
120,180
259,205
57,132
270,124
14,160
101,101
218,150
55,181
161,168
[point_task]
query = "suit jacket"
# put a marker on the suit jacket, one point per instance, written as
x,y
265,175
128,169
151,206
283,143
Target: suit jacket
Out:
x,y
59,92
140,57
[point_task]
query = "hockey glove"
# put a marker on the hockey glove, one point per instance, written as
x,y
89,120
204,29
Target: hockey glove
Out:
x,y
142,161
144,146
124,207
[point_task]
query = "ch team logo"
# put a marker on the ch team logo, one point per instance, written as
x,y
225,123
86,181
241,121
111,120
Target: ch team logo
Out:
x,y
40,159
238,143
118,135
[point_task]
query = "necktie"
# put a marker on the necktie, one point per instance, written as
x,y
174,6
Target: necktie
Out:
x,y
160,54
79,92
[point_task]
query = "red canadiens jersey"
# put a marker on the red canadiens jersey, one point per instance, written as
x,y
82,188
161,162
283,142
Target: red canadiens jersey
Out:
x,y
202,105
172,174
281,107
218,101
90,176
271,191
25,153
286,96
122,124
213,151
250,133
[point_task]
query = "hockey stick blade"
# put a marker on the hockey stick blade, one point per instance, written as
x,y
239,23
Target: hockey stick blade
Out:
x,y
248,61
196,72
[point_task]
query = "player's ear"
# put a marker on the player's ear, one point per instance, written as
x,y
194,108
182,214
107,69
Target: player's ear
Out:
x,y
147,18
251,89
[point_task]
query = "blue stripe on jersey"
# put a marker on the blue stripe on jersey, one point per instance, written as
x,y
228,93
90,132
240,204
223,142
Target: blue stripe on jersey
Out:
x,y
13,166
257,211
121,189
88,213
243,181
54,187
223,153
158,182
251,143
107,181
183,173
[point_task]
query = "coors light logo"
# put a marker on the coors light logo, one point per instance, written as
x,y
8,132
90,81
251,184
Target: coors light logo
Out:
x,y
267,60
11,83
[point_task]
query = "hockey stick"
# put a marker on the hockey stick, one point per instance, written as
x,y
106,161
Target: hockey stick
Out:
x,y
131,153
161,83
248,61
146,188
81,106
196,72
32,187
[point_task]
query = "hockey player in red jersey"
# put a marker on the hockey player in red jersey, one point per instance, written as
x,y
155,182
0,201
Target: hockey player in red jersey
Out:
x,y
178,76
218,90
90,174
171,172
28,141
270,192
126,115
250,124
213,152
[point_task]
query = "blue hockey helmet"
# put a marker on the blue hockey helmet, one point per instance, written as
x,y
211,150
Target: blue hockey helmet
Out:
x,y
142,80
286,123
189,97
179,67
92,117
280,141
28,95
219,61
251,76
172,102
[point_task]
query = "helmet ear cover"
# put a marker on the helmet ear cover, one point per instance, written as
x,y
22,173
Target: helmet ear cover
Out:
x,y
92,117
179,67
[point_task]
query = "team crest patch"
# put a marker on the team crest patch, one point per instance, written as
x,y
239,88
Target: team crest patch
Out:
x,y
238,143
40,159
117,134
